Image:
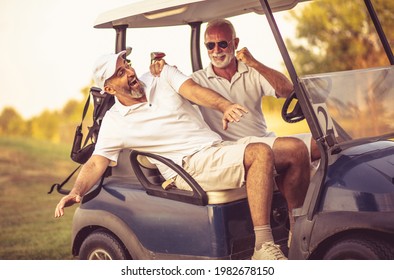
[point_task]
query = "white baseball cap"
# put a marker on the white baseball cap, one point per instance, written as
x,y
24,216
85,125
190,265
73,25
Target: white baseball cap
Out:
x,y
105,68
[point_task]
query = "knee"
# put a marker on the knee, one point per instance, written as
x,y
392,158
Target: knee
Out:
x,y
258,152
296,143
290,149
315,151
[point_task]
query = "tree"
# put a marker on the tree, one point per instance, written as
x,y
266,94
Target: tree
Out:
x,y
46,126
11,123
56,126
338,35
72,116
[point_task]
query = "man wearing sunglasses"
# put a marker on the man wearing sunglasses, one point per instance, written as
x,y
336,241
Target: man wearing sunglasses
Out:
x,y
240,78
243,80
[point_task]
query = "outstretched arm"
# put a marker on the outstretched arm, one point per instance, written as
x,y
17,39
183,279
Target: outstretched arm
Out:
x,y
205,97
283,87
90,173
208,98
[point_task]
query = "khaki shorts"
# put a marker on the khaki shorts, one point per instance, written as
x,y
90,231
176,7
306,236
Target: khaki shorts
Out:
x,y
219,167
305,137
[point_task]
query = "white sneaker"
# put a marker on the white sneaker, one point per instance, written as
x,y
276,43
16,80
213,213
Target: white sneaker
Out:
x,y
269,251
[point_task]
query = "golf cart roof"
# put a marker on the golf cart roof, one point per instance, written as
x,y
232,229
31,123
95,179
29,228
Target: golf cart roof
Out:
x,y
153,13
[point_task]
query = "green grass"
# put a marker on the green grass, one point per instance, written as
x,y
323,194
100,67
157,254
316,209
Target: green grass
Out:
x,y
29,230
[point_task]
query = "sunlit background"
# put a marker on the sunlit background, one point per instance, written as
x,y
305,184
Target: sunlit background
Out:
x,y
48,48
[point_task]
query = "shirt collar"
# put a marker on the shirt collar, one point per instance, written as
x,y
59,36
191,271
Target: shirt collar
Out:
x,y
125,110
241,68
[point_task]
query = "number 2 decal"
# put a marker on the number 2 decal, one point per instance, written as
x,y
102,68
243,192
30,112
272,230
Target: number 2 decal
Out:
x,y
324,119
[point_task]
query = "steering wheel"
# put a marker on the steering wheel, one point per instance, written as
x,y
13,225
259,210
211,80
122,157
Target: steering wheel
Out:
x,y
294,116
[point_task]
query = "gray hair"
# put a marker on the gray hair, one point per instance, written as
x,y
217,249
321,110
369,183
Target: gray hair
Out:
x,y
220,22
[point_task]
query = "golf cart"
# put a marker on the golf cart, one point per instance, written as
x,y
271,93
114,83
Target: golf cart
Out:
x,y
348,212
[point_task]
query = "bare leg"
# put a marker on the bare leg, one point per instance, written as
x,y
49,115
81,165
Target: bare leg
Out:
x,y
292,164
315,152
258,161
259,167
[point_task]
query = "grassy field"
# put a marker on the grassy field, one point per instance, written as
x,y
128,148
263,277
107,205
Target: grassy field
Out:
x,y
29,230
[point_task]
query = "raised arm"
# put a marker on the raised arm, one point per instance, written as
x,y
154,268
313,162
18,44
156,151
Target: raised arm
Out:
x,y
282,85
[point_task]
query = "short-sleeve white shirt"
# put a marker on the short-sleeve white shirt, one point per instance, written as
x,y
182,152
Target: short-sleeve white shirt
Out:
x,y
167,124
247,87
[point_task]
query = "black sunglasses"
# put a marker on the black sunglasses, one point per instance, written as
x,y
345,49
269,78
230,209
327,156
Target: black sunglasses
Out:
x,y
211,45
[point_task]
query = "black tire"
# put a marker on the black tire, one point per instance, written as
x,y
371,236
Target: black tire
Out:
x,y
101,245
360,249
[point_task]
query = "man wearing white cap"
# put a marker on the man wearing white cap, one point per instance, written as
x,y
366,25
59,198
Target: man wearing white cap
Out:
x,y
154,114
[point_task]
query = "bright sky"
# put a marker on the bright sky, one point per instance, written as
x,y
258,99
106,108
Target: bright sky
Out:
x,y
48,48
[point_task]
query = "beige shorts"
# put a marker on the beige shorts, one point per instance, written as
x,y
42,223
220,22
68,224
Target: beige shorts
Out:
x,y
219,167
305,137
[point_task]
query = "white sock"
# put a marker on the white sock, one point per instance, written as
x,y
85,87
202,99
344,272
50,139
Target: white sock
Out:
x,y
263,234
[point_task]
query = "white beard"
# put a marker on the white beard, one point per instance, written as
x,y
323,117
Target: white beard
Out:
x,y
221,64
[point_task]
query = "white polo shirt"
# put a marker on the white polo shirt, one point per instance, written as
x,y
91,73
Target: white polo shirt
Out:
x,y
167,125
247,87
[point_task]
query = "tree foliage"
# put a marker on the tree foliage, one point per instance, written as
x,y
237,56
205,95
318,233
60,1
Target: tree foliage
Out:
x,y
338,35
56,126
12,123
